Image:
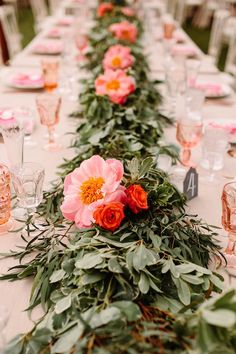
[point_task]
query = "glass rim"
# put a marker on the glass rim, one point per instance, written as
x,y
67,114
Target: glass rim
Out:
x,y
227,185
50,96
28,164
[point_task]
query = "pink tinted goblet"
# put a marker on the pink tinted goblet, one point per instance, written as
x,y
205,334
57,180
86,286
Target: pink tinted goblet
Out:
x,y
48,106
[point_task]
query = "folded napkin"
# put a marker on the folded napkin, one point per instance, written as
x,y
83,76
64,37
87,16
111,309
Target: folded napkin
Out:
x,y
65,21
210,88
48,48
184,50
28,80
230,127
55,32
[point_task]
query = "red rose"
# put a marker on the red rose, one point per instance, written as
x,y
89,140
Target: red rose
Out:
x,y
109,216
136,198
104,8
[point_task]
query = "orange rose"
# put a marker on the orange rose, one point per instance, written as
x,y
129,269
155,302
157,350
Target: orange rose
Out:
x,y
104,8
136,198
109,216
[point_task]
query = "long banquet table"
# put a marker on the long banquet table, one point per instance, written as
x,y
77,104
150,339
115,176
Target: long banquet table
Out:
x,y
15,295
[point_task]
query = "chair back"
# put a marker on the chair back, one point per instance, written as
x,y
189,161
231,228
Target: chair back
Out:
x,y
10,29
230,63
219,20
55,6
40,12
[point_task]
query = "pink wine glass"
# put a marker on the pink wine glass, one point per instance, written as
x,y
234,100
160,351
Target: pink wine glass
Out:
x,y
189,133
48,106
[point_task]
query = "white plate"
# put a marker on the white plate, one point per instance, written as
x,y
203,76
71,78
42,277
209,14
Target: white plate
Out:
x,y
225,123
23,86
225,90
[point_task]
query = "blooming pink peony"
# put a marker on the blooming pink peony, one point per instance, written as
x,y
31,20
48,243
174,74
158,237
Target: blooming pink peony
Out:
x,y
96,182
104,8
117,85
118,57
128,11
124,31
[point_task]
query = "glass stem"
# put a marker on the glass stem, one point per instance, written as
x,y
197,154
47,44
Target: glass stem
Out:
x,y
186,154
51,137
231,249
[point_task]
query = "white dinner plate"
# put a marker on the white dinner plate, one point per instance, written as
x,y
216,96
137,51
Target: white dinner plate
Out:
x,y
37,85
223,92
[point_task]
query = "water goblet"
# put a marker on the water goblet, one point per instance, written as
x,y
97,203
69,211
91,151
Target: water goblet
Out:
x,y
229,222
188,134
28,184
214,148
48,106
50,70
27,117
13,133
192,67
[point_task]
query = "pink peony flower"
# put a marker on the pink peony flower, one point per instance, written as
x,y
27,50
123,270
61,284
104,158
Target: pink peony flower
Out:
x,y
124,31
96,182
128,11
104,8
118,57
117,85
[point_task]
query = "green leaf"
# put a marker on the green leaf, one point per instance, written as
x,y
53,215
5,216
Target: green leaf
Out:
x,y
144,283
89,260
145,166
114,266
221,317
68,339
183,291
63,304
57,276
129,309
104,317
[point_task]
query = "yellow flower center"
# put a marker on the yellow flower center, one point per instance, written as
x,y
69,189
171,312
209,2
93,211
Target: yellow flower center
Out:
x,y
116,62
91,190
113,85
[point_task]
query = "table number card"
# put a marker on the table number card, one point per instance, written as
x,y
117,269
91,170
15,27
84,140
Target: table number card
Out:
x,y
190,187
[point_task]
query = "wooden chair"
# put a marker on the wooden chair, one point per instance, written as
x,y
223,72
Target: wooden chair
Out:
x,y
10,29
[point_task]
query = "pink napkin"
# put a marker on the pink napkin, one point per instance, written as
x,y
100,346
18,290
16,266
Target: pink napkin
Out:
x,y
28,80
230,127
65,21
48,48
210,88
55,32
184,50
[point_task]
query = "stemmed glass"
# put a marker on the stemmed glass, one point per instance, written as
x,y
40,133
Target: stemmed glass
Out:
x,y
81,42
26,116
28,184
229,222
176,83
48,106
188,134
215,143
192,67
4,315
13,135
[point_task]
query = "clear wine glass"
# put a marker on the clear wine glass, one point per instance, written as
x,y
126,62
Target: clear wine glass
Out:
x,y
27,117
13,133
48,106
229,222
28,184
214,148
188,133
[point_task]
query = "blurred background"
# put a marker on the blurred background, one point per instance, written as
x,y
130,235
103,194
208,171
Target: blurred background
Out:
x,y
210,23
